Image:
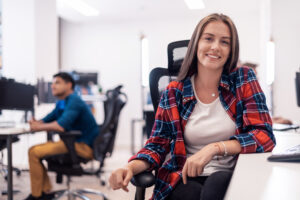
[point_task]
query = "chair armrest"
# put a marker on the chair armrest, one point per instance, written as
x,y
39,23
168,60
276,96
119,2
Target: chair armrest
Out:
x,y
143,179
69,138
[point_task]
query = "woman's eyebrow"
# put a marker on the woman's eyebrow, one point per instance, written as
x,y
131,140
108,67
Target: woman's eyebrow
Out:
x,y
224,37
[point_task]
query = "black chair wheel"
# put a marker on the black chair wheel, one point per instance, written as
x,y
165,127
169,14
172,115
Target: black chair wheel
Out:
x,y
102,183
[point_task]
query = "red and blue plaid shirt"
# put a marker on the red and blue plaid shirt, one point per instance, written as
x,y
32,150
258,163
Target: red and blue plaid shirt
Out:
x,y
242,98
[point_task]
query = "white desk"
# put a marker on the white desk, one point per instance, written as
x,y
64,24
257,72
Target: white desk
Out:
x,y
8,133
256,178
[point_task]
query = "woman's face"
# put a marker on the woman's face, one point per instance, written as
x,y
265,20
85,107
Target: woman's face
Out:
x,y
214,46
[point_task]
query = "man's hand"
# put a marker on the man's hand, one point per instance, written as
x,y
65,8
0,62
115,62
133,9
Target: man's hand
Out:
x,y
35,125
195,164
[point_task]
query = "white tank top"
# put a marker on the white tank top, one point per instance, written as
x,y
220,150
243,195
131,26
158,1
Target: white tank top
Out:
x,y
209,123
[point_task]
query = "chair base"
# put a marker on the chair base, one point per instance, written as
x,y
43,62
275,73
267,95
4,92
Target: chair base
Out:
x,y
78,193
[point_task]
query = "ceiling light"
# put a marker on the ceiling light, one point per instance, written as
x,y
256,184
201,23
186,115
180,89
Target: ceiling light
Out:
x,y
195,4
82,7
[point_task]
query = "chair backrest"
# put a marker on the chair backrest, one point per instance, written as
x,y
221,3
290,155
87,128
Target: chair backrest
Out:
x,y
104,142
176,54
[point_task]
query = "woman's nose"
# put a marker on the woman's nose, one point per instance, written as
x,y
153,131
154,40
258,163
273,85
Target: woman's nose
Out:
x,y
215,45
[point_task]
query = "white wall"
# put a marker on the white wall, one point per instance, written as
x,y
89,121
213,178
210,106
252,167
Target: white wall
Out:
x,y
286,32
113,50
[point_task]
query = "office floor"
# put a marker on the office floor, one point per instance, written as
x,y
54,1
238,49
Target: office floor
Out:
x,y
119,158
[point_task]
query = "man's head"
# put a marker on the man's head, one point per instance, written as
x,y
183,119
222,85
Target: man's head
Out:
x,y
251,65
63,85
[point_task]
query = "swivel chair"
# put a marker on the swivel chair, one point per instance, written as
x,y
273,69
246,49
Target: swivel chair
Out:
x,y
176,54
69,164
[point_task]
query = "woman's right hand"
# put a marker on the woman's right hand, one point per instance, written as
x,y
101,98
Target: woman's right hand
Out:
x,y
120,178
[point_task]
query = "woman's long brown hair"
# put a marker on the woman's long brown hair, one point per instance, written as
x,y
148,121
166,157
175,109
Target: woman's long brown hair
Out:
x,y
189,64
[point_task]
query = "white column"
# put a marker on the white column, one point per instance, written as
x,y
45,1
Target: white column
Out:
x,y
18,40
30,39
46,39
265,35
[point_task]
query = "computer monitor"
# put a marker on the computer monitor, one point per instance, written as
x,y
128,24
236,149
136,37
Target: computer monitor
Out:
x,y
298,88
84,78
16,96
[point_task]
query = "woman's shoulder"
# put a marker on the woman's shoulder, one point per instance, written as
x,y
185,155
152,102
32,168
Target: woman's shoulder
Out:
x,y
242,70
174,88
242,73
175,85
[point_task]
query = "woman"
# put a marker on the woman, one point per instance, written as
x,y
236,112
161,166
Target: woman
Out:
x,y
213,112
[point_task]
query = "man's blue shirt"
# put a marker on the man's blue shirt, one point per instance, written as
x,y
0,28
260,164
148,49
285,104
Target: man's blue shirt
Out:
x,y
73,114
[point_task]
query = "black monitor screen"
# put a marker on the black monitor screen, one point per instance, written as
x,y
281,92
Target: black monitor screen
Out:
x,y
298,87
16,96
83,78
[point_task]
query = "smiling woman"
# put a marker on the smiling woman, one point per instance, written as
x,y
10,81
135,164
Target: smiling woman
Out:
x,y
201,120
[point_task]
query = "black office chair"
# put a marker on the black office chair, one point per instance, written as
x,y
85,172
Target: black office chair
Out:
x,y
176,54
69,164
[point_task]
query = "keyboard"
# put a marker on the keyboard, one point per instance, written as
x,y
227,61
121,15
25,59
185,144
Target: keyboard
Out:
x,y
289,155
284,127
7,124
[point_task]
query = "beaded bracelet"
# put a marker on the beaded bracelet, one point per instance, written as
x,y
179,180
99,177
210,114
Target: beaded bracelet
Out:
x,y
225,150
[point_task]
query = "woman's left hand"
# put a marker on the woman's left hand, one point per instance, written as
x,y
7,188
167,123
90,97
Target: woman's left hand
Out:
x,y
195,164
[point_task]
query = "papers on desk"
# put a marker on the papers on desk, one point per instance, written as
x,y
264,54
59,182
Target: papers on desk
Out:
x,y
18,128
284,127
289,155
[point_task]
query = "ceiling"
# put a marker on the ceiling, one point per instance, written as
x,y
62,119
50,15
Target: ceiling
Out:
x,y
130,10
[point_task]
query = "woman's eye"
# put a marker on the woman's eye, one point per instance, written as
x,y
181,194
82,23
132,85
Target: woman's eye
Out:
x,y
225,42
208,39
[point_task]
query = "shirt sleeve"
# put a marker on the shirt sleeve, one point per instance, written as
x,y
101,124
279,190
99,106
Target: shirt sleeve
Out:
x,y
70,114
50,117
158,145
257,134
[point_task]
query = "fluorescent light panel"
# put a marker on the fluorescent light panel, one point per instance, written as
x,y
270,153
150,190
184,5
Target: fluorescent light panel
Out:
x,y
82,7
195,4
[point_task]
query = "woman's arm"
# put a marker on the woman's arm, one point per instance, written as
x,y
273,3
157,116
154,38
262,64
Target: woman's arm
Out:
x,y
195,164
121,177
256,134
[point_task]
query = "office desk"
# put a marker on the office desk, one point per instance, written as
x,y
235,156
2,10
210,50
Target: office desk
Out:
x,y
256,178
8,133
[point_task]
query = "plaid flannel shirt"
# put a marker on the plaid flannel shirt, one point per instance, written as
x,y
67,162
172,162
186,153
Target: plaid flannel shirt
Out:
x,y
242,98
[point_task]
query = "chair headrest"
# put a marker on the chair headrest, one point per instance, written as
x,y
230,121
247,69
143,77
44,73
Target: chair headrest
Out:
x,y
176,54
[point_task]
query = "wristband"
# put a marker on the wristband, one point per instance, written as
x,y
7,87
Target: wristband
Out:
x,y
225,150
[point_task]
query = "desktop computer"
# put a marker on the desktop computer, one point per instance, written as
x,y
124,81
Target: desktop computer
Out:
x,y
16,96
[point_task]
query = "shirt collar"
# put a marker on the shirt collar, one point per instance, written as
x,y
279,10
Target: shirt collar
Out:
x,y
225,81
188,92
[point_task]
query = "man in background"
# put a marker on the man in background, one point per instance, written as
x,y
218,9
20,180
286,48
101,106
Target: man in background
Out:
x,y
70,113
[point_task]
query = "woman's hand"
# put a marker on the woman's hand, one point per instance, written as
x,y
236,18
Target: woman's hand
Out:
x,y
195,164
120,178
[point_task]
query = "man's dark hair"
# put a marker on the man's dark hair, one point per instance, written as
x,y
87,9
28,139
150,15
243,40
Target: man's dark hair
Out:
x,y
66,77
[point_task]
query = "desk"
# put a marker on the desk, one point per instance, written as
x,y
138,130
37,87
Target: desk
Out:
x,y
8,133
256,178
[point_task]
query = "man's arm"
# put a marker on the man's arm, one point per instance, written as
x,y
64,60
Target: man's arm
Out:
x,y
42,126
